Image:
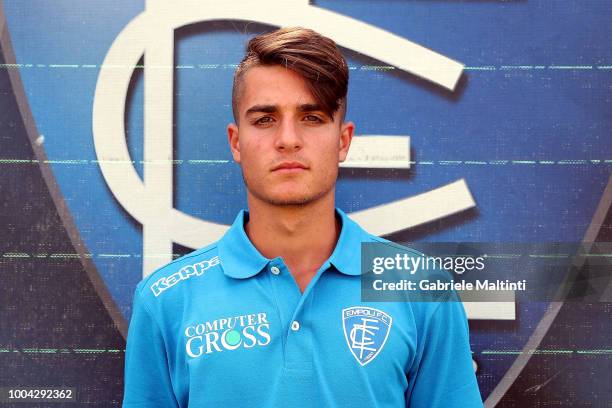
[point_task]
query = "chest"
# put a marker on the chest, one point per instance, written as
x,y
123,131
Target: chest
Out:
x,y
269,336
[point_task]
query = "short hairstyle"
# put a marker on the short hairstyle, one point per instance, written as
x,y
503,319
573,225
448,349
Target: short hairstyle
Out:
x,y
314,57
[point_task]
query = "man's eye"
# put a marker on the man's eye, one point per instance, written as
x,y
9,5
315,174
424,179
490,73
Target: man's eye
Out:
x,y
313,118
263,120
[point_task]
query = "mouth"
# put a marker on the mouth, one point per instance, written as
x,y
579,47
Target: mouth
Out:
x,y
289,167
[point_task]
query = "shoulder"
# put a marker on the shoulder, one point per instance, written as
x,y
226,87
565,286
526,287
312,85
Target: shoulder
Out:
x,y
387,246
179,274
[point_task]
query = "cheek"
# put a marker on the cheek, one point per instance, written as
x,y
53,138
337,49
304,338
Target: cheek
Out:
x,y
253,146
328,162
252,157
330,152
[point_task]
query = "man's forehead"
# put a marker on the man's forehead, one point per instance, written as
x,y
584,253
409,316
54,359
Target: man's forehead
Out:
x,y
274,85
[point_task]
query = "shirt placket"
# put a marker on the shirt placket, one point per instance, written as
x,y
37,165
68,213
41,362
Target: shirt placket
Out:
x,y
294,310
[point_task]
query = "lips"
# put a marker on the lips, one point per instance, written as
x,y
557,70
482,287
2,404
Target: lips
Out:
x,y
289,166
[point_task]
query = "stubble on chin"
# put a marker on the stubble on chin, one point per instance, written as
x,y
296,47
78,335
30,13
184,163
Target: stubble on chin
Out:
x,y
297,200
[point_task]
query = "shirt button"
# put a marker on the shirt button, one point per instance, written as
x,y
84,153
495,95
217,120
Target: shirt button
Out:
x,y
295,325
275,270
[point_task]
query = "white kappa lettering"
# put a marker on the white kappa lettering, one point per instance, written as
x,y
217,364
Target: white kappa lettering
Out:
x,y
184,273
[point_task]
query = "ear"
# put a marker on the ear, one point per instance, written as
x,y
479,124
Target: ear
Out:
x,y
234,143
346,135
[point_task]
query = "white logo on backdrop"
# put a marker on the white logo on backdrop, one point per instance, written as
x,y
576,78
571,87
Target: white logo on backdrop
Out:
x,y
151,34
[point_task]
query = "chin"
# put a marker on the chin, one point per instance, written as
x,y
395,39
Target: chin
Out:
x,y
285,198
287,194
297,198
288,200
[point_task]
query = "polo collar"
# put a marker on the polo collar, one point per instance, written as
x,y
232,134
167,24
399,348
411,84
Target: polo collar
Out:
x,y
240,259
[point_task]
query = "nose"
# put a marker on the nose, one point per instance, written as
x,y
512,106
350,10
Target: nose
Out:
x,y
288,138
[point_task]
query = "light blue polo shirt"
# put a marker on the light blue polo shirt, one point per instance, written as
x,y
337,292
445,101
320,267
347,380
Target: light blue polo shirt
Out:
x,y
226,327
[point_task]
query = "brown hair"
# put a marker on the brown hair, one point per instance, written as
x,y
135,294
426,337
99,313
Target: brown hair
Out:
x,y
314,57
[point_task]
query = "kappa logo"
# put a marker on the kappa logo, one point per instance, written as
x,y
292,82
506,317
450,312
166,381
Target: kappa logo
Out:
x,y
186,272
366,330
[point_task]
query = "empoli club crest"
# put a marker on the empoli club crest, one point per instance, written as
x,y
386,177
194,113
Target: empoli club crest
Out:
x,y
366,330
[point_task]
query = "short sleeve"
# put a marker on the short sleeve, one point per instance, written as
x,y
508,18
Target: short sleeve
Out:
x,y
443,374
147,377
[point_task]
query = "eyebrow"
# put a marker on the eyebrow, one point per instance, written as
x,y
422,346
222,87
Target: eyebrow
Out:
x,y
261,108
310,107
306,107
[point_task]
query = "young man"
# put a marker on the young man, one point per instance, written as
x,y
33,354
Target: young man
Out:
x,y
271,315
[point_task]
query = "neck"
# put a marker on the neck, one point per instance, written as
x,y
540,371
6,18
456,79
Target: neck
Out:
x,y
304,236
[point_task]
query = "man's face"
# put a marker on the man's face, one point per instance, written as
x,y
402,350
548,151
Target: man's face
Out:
x,y
288,148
